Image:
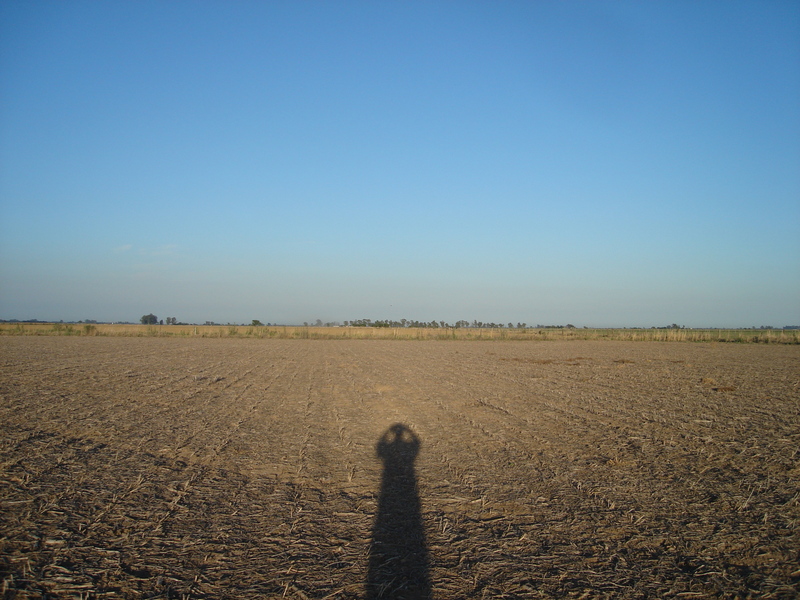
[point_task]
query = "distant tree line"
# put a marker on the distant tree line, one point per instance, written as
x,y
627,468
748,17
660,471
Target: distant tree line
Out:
x,y
462,324
151,319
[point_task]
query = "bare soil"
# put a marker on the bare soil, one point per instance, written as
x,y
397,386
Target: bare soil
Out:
x,y
243,468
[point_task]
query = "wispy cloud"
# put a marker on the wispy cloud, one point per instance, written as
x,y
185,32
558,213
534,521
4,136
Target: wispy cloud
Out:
x,y
150,252
160,251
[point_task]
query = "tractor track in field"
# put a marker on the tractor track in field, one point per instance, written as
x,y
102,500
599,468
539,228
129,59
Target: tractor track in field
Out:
x,y
245,468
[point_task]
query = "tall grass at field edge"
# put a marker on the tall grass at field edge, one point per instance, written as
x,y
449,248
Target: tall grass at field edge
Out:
x,y
760,336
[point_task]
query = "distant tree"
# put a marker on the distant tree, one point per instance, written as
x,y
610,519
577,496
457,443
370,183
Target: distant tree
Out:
x,y
150,319
256,323
318,323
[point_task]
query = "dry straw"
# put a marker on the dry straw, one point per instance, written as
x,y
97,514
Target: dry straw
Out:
x,y
765,336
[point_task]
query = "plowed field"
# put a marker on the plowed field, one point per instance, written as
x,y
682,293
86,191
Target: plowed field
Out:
x,y
240,468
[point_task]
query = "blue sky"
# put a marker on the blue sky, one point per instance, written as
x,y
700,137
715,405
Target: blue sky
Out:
x,y
595,163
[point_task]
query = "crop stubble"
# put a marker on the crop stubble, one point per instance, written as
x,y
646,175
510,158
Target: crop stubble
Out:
x,y
236,468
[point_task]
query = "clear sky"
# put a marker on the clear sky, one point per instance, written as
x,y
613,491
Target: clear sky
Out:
x,y
594,163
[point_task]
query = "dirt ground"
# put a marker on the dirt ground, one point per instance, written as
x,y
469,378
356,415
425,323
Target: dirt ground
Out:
x,y
240,468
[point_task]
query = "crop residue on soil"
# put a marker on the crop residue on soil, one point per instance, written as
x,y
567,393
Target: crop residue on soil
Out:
x,y
239,468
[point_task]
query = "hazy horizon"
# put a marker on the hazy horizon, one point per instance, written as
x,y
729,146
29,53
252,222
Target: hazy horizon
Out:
x,y
410,323
607,164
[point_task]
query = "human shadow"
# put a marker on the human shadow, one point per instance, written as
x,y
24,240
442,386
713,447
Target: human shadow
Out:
x,y
398,558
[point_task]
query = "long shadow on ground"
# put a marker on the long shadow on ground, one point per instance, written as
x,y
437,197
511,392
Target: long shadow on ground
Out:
x,y
398,561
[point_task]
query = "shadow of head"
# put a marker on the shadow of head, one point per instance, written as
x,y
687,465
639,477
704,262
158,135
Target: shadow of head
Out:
x,y
398,446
